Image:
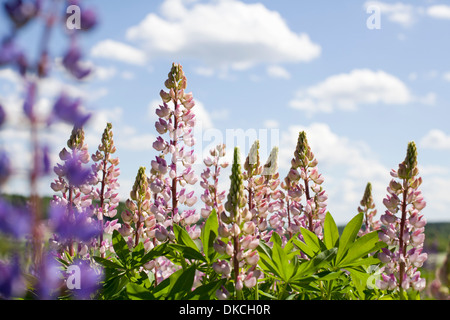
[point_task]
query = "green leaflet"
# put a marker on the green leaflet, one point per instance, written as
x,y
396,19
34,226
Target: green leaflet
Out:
x,y
183,237
177,286
330,232
349,235
121,247
362,247
208,235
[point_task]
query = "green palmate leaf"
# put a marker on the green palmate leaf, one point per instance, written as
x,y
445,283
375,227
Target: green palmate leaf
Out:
x,y
114,287
361,262
108,263
177,286
206,291
121,247
265,259
280,260
330,232
362,247
209,234
312,266
349,235
304,248
188,252
285,259
138,292
157,251
359,280
277,239
183,237
137,254
328,275
311,240
183,284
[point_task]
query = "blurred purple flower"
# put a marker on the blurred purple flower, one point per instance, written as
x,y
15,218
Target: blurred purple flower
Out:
x,y
14,220
21,12
88,19
75,173
2,115
5,167
8,51
30,100
49,277
71,62
73,225
46,160
11,280
89,280
68,110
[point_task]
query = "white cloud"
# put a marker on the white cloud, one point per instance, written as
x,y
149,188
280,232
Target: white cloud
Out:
x,y
346,91
222,34
403,14
110,49
408,14
104,73
204,71
446,76
278,72
136,142
271,124
436,139
346,164
440,11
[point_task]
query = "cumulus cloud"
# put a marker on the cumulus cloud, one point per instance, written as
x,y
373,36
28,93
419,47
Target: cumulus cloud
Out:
x,y
400,13
223,33
111,49
408,14
346,91
440,11
436,139
278,72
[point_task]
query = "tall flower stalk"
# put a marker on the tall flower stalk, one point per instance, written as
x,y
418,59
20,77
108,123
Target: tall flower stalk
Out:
x,y
235,206
174,165
138,205
304,179
212,197
106,194
367,206
403,233
75,202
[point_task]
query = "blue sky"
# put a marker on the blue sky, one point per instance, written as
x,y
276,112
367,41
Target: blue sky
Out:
x,y
270,68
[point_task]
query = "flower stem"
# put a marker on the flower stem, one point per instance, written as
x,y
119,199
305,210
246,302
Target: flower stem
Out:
x,y
402,246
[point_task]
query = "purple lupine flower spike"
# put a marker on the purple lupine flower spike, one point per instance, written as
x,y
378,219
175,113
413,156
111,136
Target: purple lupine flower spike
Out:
x,y
404,233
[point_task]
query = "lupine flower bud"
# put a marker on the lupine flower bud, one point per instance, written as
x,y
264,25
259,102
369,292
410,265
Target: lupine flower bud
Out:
x,y
252,162
236,198
271,165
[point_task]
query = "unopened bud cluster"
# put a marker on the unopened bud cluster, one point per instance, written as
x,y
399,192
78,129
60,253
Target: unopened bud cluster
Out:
x,y
367,206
